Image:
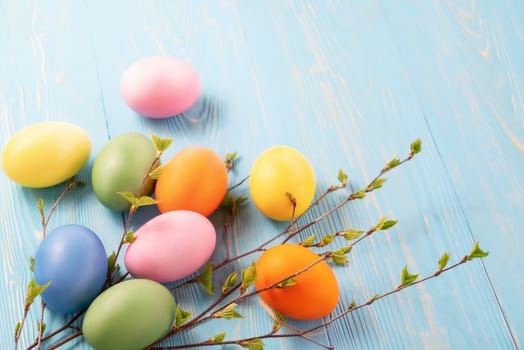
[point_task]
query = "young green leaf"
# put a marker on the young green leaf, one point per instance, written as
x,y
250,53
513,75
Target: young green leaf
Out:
x,y
236,203
18,327
416,146
308,242
161,144
338,257
408,278
111,263
32,264
181,316
40,327
129,237
361,194
290,282
389,224
392,163
443,261
206,279
230,281
34,290
342,177
327,240
376,184
351,234
380,223
253,344
155,173
249,275
476,252
128,196
217,338
145,201
228,312
40,205
230,160
278,320
352,305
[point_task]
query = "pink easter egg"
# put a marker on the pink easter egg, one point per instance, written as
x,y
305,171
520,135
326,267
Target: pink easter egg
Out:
x,y
171,246
160,87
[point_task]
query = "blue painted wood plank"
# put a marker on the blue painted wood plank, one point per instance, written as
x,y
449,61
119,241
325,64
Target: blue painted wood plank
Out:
x,y
482,85
47,73
353,61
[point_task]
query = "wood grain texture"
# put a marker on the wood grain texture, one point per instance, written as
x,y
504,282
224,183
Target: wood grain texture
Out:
x,y
350,84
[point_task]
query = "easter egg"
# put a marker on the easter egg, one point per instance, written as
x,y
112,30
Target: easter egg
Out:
x,y
160,87
278,173
129,316
194,179
73,259
121,166
171,246
315,293
46,154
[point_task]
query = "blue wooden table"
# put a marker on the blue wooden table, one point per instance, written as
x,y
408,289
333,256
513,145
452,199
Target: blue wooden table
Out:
x,y
350,84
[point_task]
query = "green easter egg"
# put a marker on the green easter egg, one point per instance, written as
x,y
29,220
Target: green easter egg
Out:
x,y
129,315
121,167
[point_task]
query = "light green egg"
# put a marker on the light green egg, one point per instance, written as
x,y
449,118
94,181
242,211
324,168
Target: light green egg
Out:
x,y
46,154
129,316
121,167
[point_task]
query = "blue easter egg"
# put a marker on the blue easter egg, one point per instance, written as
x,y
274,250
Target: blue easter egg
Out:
x,y
74,260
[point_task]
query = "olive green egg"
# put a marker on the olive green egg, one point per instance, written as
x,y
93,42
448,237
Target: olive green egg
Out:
x,y
129,316
121,166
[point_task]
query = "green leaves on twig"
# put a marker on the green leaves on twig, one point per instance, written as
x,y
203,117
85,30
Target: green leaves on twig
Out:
x,y
32,264
384,224
391,164
112,266
342,178
181,316
217,338
415,147
233,203
377,183
33,290
476,252
129,237
155,173
407,278
351,234
290,282
253,344
230,281
230,160
249,275
339,256
309,241
138,202
228,312
206,279
161,144
443,261
40,206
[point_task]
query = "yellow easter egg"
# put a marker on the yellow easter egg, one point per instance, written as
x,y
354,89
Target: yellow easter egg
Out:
x,y
46,154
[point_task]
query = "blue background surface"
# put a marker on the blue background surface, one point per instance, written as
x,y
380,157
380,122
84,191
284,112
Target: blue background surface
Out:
x,y
350,84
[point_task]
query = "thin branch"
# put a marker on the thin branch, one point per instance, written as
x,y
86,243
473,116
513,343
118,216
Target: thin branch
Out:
x,y
381,296
238,184
65,340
